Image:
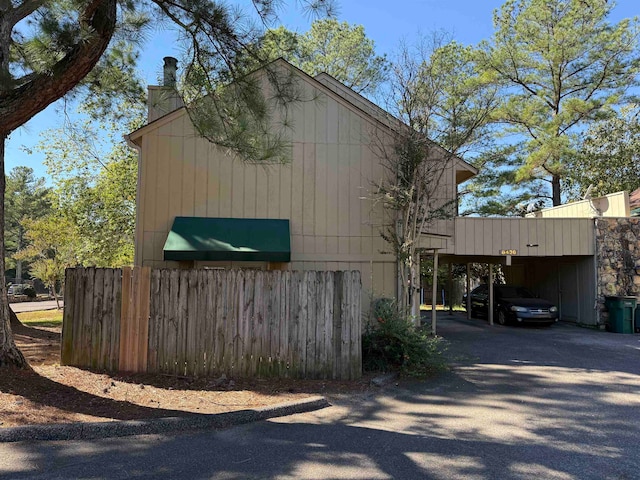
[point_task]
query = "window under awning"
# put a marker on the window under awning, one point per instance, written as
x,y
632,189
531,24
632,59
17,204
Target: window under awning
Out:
x,y
228,239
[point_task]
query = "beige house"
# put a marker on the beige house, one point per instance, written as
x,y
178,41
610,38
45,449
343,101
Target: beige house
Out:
x,y
200,207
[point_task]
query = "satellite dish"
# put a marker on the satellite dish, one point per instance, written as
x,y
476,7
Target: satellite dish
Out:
x,y
587,194
535,205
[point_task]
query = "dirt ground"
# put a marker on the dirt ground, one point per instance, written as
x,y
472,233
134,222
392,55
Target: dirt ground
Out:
x,y
58,394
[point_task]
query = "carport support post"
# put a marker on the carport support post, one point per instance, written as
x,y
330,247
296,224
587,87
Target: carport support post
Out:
x,y
490,313
468,291
450,288
434,291
415,289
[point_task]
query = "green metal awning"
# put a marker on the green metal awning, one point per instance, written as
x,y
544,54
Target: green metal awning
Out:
x,y
228,239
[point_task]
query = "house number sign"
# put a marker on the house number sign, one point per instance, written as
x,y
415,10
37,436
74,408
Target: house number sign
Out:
x,y
509,252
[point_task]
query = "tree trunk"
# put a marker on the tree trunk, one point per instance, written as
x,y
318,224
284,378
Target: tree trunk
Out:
x,y
10,356
19,261
14,320
55,295
415,289
18,105
18,270
555,185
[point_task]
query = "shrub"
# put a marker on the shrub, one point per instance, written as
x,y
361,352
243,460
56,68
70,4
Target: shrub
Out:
x,y
392,342
29,291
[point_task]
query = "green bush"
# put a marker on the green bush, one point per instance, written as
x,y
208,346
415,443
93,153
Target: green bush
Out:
x,y
392,342
29,291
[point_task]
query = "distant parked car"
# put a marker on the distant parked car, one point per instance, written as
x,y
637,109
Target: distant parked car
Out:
x,y
512,304
22,289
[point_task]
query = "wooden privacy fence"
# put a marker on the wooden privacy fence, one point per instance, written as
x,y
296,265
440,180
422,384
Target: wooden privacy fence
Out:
x,y
242,323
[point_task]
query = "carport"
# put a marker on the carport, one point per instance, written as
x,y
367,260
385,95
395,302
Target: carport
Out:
x,y
554,257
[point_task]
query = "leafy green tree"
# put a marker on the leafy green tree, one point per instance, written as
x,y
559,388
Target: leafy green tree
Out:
x,y
53,245
609,160
337,48
94,177
26,198
445,107
562,64
48,49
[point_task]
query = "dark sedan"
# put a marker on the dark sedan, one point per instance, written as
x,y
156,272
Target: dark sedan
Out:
x,y
513,304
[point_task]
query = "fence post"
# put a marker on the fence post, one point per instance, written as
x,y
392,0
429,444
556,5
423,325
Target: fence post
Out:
x,y
67,343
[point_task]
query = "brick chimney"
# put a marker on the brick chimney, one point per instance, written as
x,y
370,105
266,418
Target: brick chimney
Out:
x,y
164,99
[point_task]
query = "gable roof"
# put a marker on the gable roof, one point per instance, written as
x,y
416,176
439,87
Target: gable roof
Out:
x,y
338,91
464,170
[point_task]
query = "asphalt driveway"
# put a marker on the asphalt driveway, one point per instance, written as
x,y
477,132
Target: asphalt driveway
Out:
x,y
521,403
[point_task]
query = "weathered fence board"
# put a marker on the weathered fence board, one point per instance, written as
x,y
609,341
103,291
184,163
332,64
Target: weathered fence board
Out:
x,y
67,344
116,307
96,318
125,333
242,323
91,321
134,319
105,314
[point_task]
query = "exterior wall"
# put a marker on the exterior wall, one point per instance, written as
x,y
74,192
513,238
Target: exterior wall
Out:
x,y
568,282
614,205
618,255
447,180
528,236
446,192
357,100
585,271
334,163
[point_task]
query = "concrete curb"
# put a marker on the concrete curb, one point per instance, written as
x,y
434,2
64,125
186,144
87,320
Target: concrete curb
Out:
x,y
92,430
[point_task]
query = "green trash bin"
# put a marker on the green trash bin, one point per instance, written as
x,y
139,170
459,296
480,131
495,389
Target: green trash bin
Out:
x,y
621,313
637,318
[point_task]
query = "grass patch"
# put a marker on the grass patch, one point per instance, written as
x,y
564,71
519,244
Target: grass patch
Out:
x,y
41,318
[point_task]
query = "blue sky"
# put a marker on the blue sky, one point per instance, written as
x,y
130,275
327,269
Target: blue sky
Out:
x,y
386,22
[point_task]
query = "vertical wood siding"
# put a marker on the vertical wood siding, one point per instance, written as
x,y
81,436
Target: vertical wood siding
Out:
x,y
536,237
334,163
243,323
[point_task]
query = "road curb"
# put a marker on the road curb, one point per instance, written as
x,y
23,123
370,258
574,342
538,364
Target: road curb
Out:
x,y
92,430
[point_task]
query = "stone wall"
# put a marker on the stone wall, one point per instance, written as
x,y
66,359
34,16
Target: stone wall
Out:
x,y
617,260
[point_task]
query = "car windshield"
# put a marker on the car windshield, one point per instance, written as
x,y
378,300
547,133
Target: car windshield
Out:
x,y
505,291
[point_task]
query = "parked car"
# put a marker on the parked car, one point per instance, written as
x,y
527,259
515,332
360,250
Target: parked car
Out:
x,y
15,289
512,304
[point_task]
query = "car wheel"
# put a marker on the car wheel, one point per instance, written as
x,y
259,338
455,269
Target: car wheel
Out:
x,y
502,318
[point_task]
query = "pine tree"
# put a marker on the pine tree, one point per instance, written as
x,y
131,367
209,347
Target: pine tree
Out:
x,y
561,65
48,49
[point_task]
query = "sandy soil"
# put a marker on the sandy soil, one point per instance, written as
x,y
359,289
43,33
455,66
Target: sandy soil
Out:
x,y
51,393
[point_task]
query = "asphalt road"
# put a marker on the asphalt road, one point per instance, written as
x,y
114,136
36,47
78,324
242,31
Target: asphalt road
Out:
x,y
34,306
521,403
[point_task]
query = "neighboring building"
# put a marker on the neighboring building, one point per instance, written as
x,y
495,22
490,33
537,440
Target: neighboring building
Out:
x,y
634,203
200,207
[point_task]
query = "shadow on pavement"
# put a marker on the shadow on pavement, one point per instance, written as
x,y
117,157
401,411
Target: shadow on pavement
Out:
x,y
559,403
